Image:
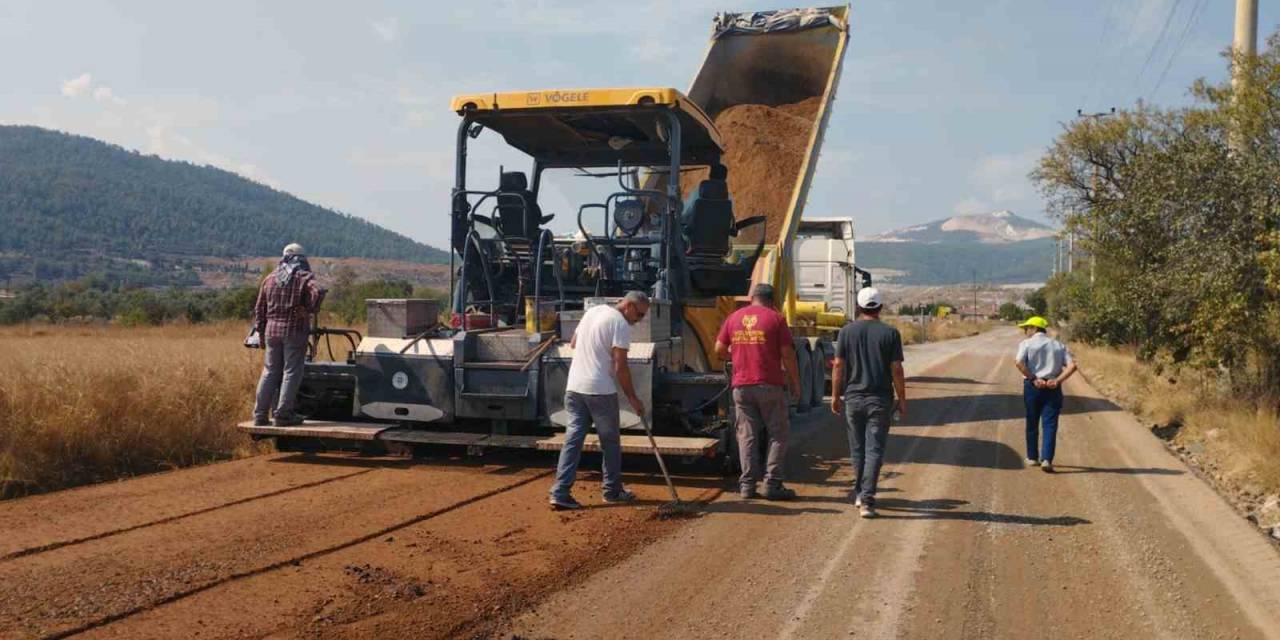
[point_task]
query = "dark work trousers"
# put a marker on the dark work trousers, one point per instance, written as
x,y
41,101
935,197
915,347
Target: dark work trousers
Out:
x,y
1043,407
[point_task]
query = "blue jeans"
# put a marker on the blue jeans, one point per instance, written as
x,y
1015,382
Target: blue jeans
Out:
x,y
868,417
585,410
1043,407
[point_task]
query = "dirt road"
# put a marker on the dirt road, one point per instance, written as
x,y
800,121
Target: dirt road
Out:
x,y
1123,542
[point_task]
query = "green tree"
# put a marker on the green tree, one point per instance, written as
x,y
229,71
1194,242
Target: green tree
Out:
x,y
1010,311
1180,224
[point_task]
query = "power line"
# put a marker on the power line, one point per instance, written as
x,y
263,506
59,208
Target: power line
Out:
x,y
1101,52
1164,30
1192,19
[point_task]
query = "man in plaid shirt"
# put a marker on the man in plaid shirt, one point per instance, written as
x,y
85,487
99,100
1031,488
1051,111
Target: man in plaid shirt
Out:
x,y
286,300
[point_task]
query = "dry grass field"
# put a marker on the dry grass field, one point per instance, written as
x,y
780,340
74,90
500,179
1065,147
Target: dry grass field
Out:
x,y
83,404
1235,441
938,329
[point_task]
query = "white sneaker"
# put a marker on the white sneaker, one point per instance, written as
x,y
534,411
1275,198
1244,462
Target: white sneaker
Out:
x,y
866,511
857,501
1032,462
1046,466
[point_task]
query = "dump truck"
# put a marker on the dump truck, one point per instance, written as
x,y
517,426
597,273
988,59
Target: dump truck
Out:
x,y
490,371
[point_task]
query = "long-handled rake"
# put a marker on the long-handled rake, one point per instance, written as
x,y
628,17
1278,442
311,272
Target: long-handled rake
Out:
x,y
676,507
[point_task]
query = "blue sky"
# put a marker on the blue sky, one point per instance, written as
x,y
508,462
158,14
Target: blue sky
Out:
x,y
943,106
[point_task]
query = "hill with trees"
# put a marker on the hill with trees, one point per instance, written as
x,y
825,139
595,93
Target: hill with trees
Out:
x,y
64,195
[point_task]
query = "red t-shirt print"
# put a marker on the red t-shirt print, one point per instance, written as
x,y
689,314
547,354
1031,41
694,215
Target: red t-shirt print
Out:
x,y
755,336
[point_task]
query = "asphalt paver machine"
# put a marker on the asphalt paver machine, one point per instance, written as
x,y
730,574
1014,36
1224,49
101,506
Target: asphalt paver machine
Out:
x,y
491,369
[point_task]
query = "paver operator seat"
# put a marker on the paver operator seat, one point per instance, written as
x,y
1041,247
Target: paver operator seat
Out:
x,y
708,218
515,219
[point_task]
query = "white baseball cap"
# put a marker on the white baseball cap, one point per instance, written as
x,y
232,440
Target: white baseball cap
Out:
x,y
294,248
869,298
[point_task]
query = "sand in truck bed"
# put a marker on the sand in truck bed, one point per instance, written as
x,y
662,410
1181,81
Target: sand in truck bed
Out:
x,y
764,152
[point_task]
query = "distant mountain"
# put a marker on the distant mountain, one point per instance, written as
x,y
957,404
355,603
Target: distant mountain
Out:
x,y
994,248
64,195
999,227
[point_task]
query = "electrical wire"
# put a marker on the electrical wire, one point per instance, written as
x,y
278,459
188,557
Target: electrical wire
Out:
x,y
1196,11
1164,30
1101,51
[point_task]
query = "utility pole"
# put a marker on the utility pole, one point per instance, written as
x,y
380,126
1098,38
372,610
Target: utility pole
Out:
x,y
1093,261
1246,38
1243,47
975,296
1071,250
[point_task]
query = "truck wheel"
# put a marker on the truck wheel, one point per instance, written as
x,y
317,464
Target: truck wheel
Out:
x,y
730,465
819,376
805,394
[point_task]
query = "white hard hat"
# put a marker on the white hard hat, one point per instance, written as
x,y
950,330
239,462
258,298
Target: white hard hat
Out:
x,y
869,298
294,248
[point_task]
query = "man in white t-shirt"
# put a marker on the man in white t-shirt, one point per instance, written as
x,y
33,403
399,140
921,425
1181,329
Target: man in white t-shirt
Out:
x,y
597,371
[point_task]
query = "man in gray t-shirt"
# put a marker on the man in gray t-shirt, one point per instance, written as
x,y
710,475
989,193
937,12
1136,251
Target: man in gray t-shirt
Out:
x,y
866,374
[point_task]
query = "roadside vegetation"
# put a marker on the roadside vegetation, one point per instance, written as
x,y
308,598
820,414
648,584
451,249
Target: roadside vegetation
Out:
x,y
83,403
1178,215
935,329
100,382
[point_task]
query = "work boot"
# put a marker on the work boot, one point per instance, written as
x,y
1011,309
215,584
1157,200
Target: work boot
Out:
x,y
288,420
779,492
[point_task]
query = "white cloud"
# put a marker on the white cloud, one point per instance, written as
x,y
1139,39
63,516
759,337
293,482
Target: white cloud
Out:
x,y
105,95
388,29
438,164
1003,177
971,206
651,51
77,86
1000,181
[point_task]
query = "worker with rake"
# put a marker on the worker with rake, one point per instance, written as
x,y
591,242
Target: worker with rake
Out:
x,y
596,373
757,340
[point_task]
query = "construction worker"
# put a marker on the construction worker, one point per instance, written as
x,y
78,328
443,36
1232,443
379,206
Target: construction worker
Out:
x,y
282,316
757,340
866,375
596,373
1044,364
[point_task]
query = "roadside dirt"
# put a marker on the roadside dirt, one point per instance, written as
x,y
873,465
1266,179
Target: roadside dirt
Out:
x,y
330,546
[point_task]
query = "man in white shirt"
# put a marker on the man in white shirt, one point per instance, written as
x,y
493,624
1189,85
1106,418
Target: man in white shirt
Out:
x,y
597,371
1045,364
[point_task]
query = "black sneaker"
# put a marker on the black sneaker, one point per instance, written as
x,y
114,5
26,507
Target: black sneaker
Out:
x,y
779,493
261,422
565,504
290,420
748,493
620,497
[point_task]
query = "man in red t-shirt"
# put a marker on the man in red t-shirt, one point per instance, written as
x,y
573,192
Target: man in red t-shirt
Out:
x,y
757,340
